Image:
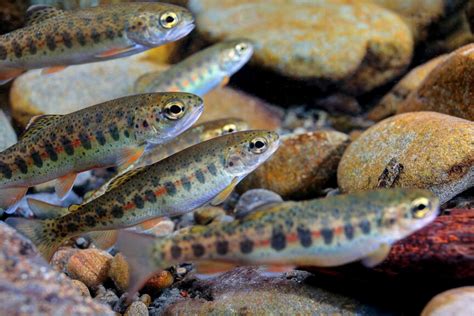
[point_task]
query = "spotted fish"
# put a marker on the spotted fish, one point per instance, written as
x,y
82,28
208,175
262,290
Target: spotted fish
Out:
x,y
202,71
54,38
180,183
107,134
192,136
324,232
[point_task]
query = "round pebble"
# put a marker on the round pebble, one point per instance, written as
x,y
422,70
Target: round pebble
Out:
x,y
456,302
253,199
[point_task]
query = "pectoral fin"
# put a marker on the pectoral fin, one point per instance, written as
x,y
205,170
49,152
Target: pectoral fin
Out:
x,y
116,52
377,256
64,184
52,70
225,81
221,197
8,74
128,156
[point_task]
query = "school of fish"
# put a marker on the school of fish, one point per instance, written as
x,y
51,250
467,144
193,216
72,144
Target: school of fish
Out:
x,y
54,38
323,232
167,167
108,134
206,172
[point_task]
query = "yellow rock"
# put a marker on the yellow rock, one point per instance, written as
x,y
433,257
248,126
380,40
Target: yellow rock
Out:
x,y
355,44
119,273
435,150
459,302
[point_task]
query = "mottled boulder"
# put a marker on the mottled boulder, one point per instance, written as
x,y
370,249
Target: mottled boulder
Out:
x,y
302,166
421,15
448,89
28,286
356,45
7,134
410,82
459,302
247,291
435,151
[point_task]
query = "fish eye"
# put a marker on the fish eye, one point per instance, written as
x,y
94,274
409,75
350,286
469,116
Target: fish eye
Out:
x,y
174,110
241,47
419,207
258,145
168,19
229,128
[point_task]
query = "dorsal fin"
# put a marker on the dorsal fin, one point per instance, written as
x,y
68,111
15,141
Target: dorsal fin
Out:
x,y
119,180
39,122
40,12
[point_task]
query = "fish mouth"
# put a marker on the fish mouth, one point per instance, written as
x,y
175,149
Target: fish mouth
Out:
x,y
181,31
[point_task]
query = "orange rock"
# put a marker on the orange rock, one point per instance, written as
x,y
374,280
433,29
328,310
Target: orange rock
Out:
x,y
61,258
390,102
303,165
119,272
434,149
227,102
448,89
159,281
90,266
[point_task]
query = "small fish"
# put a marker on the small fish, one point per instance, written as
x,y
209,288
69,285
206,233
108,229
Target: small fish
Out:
x,y
55,38
192,136
108,134
206,172
201,72
324,232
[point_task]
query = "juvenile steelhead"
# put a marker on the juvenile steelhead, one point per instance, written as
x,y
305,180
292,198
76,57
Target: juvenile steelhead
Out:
x,y
201,72
56,38
192,136
108,134
325,232
180,183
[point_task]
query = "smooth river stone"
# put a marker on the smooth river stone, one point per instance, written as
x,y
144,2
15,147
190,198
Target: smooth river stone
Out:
x,y
448,89
435,151
77,87
409,83
7,134
459,302
354,44
302,166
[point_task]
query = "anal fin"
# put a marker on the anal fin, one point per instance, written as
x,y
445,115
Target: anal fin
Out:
x,y
64,184
377,256
224,194
104,239
9,74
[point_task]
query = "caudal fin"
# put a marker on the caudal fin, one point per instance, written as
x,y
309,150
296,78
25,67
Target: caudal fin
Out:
x,y
37,232
142,257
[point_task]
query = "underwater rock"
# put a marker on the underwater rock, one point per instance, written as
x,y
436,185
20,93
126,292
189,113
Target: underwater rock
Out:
x,y
76,87
253,199
303,165
106,296
82,288
12,15
434,149
249,291
159,281
227,102
136,309
355,44
422,15
61,258
448,88
118,272
90,266
206,214
459,302
28,285
409,83
7,134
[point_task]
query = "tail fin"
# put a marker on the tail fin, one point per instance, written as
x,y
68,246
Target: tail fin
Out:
x,y
139,250
37,231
